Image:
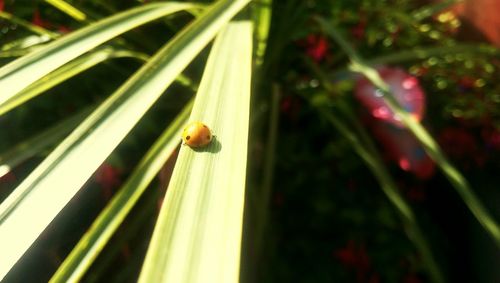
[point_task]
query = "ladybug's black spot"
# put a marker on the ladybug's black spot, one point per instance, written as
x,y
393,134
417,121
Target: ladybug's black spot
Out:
x,y
204,126
188,137
209,137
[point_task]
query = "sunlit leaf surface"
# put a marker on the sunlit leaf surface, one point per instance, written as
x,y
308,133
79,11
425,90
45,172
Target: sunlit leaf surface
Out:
x,y
40,197
198,234
92,243
22,72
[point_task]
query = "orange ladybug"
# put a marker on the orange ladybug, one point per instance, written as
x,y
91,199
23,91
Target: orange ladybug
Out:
x,y
196,134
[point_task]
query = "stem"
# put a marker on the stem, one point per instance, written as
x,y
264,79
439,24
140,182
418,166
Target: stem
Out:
x,y
430,145
366,149
373,160
262,17
419,53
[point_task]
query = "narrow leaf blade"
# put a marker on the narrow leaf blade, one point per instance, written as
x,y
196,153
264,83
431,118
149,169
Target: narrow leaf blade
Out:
x,y
24,71
198,234
40,197
456,179
92,243
64,73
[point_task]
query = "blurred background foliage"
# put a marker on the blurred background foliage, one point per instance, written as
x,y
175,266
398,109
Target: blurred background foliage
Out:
x,y
314,210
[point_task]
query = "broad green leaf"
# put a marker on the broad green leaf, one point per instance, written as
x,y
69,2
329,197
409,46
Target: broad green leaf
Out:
x,y
67,71
198,234
40,197
92,243
430,145
24,71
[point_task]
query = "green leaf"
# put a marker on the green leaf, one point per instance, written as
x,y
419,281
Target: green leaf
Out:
x,y
198,234
17,52
40,197
351,128
24,71
27,25
146,208
420,53
364,146
34,145
66,72
68,9
25,43
262,11
430,145
92,243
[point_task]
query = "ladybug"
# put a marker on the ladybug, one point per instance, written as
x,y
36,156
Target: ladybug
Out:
x,y
196,134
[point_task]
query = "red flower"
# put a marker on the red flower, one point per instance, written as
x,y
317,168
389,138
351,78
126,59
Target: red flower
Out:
x,y
358,31
1,5
316,47
352,185
416,193
348,255
375,278
7,177
38,21
411,278
109,178
466,83
64,29
290,107
278,199
457,142
491,137
286,104
354,256
126,251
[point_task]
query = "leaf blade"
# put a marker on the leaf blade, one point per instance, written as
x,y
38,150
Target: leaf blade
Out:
x,y
24,71
198,234
430,145
64,73
106,126
94,240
